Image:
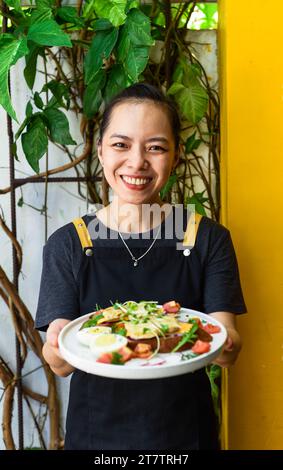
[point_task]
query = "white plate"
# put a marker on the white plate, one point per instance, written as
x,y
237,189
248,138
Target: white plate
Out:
x,y
161,365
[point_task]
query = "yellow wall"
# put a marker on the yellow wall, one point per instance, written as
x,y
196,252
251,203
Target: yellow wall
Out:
x,y
251,70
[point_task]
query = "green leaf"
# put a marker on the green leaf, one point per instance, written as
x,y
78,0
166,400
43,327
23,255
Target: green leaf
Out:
x,y
88,9
28,109
59,91
31,61
41,15
14,151
198,200
213,372
101,24
135,32
16,4
93,96
25,122
44,4
192,100
136,62
38,101
20,202
175,88
59,126
34,143
70,15
53,103
48,33
168,185
117,81
132,4
138,27
101,47
209,11
22,50
178,74
113,10
11,49
188,337
133,45
192,143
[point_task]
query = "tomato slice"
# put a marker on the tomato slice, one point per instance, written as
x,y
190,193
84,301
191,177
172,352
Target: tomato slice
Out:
x,y
211,329
105,358
198,321
200,347
171,307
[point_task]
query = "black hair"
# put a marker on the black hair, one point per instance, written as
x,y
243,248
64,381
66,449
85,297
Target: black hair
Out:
x,y
140,92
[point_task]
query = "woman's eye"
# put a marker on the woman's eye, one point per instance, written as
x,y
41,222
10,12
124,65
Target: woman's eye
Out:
x,y
157,148
119,145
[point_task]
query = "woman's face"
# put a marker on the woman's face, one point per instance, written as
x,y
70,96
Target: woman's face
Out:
x,y
138,151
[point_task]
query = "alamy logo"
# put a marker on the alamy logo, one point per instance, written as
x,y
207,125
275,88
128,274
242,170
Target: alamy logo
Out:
x,y
174,227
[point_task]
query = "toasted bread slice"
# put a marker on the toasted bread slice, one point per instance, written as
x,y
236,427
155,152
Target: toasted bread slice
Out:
x,y
168,343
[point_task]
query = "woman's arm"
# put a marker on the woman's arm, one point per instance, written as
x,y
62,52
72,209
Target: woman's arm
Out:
x,y
233,344
51,351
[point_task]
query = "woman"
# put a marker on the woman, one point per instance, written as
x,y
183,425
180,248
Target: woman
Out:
x,y
138,148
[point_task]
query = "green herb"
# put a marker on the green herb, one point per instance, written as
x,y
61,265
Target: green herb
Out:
x,y
121,331
115,305
188,355
150,307
164,328
92,321
188,337
117,359
145,330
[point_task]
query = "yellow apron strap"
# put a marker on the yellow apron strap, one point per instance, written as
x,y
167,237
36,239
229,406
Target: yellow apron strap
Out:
x,y
84,236
192,229
224,437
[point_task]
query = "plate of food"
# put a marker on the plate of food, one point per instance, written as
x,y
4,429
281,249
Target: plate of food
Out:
x,y
142,340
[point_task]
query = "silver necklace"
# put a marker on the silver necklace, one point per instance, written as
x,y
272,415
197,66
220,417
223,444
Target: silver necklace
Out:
x,y
132,256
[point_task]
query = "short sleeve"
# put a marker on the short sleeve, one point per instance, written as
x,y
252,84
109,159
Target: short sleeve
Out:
x,y
58,293
222,286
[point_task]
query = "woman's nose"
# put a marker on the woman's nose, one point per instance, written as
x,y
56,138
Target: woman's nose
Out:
x,y
137,158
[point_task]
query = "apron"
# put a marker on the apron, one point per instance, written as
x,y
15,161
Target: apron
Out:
x,y
159,414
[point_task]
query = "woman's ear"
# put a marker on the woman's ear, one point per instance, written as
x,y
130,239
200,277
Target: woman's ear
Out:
x,y
176,159
99,150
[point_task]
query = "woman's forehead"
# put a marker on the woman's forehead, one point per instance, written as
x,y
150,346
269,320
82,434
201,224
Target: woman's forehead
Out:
x,y
139,117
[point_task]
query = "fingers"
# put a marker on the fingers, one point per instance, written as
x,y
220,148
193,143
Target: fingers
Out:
x,y
53,331
229,344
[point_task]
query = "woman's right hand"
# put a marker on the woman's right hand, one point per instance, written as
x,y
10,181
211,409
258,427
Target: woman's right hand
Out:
x,y
51,351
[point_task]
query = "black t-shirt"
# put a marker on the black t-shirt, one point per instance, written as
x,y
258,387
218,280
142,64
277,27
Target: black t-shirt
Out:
x,y
217,270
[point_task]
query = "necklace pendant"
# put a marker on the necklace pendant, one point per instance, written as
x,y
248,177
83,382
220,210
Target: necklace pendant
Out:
x,y
135,262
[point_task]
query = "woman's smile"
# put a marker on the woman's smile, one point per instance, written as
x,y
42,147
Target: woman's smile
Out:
x,y
136,184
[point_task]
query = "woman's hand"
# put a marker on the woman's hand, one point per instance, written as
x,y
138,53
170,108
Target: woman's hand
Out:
x,y
51,351
233,343
231,349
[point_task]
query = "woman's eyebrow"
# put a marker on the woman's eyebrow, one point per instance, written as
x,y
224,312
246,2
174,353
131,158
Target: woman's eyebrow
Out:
x,y
151,139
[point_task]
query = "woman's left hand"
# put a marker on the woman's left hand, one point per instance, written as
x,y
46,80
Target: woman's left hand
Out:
x,y
233,343
230,350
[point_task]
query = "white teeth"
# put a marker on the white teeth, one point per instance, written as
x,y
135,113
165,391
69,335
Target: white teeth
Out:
x,y
136,180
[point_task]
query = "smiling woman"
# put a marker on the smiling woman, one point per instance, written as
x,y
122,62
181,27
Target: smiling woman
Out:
x,y
138,148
